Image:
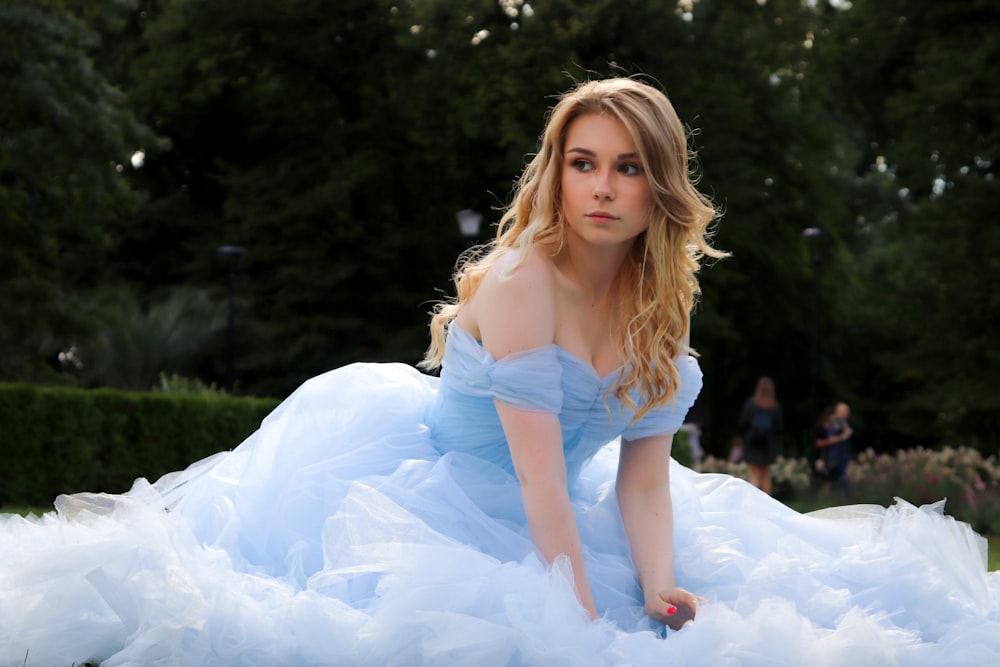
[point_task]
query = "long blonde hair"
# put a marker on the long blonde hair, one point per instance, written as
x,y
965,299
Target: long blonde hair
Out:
x,y
657,286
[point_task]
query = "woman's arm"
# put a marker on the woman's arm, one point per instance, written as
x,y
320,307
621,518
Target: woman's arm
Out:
x,y
535,441
643,489
511,313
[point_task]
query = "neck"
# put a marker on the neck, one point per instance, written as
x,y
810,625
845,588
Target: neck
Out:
x,y
594,270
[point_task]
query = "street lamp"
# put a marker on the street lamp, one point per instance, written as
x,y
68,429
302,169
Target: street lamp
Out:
x,y
813,236
230,257
468,225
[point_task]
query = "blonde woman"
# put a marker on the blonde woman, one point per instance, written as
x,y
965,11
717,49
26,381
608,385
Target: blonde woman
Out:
x,y
596,260
519,509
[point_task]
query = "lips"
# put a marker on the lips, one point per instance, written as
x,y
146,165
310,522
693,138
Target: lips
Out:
x,y
601,216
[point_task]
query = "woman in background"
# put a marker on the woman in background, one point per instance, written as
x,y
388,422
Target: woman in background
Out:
x,y
761,422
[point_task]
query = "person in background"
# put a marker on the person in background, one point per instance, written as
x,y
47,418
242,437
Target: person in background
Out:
x,y
761,422
820,445
838,450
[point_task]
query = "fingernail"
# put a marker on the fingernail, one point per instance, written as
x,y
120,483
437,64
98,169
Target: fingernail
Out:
x,y
671,610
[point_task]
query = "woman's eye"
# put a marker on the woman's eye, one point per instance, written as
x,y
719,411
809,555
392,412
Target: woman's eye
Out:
x,y
630,169
582,165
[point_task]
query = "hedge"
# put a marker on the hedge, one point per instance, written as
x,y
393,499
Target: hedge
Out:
x,y
57,440
63,440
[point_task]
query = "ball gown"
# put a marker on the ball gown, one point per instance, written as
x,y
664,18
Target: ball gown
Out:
x,y
375,519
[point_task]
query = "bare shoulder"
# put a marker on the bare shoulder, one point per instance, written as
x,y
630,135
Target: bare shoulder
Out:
x,y
514,307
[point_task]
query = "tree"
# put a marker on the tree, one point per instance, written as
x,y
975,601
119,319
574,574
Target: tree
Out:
x,y
928,118
773,158
336,144
130,344
67,136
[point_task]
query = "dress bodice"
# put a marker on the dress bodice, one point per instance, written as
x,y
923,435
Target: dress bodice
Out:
x,y
547,379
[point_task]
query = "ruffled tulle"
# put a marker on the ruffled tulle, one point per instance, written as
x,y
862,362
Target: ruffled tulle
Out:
x,y
343,533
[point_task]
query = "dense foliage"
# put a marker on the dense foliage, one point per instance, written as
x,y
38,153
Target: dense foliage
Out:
x,y
64,440
336,141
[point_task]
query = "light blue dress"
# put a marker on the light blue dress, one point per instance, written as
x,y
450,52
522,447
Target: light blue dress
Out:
x,y
375,519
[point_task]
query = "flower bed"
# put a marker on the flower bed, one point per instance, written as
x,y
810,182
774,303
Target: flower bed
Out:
x,y
789,476
968,481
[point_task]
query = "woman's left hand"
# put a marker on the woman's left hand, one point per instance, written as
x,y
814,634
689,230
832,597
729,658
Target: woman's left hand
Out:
x,y
672,606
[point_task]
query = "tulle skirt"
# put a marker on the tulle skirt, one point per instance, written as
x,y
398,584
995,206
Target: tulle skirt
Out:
x,y
344,537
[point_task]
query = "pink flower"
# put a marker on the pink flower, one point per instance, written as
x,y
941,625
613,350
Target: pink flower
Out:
x,y
970,497
978,482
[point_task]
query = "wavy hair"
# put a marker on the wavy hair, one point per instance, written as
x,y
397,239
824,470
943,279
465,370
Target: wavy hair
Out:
x,y
658,286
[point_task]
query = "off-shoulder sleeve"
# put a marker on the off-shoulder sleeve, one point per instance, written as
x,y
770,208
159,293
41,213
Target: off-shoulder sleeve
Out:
x,y
668,418
530,380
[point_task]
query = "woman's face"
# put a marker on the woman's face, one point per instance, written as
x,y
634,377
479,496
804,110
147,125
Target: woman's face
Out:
x,y
606,197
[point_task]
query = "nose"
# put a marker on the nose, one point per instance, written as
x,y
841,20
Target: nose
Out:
x,y
603,188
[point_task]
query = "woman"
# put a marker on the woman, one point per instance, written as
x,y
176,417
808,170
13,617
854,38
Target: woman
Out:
x,y
761,423
597,257
520,510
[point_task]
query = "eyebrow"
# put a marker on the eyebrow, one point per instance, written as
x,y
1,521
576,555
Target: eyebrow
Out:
x,y
590,153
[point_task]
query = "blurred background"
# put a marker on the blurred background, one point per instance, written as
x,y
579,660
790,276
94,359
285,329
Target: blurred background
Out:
x,y
246,193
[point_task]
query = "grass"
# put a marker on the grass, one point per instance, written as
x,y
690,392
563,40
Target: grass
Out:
x,y
993,558
24,511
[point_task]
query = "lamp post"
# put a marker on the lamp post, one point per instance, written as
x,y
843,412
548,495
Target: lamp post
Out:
x,y
468,225
813,235
230,257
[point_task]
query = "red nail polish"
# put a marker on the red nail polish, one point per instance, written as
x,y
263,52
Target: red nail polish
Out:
x,y
671,610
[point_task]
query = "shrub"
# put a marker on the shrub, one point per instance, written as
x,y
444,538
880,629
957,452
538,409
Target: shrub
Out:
x,y
969,482
681,449
61,440
178,384
789,476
